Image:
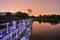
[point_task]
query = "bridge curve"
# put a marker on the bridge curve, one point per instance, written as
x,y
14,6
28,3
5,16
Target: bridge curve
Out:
x,y
16,30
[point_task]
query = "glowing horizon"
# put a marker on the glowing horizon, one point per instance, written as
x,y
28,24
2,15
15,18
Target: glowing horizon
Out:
x,y
43,7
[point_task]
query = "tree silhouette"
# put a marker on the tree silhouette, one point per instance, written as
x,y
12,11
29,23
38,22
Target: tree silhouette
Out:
x,y
29,10
8,14
21,15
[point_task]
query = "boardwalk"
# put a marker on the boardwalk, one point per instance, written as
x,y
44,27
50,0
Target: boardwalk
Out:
x,y
16,30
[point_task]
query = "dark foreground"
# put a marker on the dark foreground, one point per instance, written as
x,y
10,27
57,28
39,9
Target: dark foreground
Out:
x,y
50,36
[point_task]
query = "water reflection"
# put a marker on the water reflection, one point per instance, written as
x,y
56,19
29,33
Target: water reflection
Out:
x,y
51,21
46,30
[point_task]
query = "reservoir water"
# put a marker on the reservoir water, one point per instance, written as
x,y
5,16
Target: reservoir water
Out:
x,y
45,31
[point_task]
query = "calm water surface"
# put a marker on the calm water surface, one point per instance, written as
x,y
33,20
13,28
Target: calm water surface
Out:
x,y
45,31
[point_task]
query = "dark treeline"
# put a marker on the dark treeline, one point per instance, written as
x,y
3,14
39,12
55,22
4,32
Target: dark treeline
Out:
x,y
7,16
53,16
52,19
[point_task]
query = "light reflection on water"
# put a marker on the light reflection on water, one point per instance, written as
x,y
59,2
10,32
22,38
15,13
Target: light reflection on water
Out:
x,y
40,29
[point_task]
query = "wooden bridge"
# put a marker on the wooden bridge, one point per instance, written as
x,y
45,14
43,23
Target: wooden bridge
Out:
x,y
16,30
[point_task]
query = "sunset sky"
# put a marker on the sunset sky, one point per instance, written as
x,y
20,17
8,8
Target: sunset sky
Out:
x,y
43,7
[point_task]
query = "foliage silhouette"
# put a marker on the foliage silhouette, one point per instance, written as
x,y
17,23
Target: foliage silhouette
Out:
x,y
53,19
21,15
29,10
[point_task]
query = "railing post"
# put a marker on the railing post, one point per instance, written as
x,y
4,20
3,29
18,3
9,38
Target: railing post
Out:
x,y
20,28
28,31
23,25
7,27
11,34
1,33
24,38
14,24
17,33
